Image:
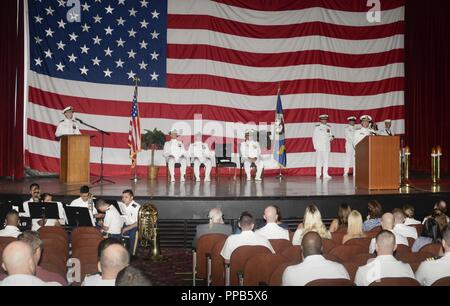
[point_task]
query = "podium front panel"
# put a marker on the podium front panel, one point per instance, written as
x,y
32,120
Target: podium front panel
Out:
x,y
75,159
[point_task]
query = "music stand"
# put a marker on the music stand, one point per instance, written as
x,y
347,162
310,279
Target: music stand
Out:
x,y
78,216
44,211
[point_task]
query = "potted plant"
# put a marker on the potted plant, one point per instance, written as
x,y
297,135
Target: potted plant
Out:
x,y
153,140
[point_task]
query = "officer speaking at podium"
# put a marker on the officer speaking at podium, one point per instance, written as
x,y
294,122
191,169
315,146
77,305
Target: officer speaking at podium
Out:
x,y
68,126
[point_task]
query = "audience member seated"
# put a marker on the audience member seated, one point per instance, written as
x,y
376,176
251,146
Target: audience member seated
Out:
x,y
431,231
442,206
374,216
409,210
132,277
341,222
314,265
400,227
312,222
387,223
216,226
246,237
113,222
12,222
272,230
280,219
436,268
113,259
384,265
355,227
20,264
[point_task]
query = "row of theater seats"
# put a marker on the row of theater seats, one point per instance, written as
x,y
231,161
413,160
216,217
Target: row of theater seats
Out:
x,y
255,265
59,251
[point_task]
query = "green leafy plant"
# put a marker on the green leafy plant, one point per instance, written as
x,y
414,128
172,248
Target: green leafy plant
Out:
x,y
153,140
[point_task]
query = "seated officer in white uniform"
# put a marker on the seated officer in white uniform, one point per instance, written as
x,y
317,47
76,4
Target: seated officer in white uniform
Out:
x,y
322,139
201,154
86,200
314,265
364,131
272,230
436,268
113,222
349,149
130,214
246,238
68,126
385,265
174,152
11,225
387,129
250,151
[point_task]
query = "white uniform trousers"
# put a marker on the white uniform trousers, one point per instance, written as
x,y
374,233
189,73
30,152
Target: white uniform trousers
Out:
x,y
208,167
322,158
248,168
349,159
172,161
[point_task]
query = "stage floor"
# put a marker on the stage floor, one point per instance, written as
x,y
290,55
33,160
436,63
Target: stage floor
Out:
x,y
225,188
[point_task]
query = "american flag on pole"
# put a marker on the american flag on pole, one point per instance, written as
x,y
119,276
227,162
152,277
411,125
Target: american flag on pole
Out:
x,y
218,58
134,137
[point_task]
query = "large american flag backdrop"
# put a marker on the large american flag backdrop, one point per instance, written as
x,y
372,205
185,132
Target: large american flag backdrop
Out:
x,y
223,59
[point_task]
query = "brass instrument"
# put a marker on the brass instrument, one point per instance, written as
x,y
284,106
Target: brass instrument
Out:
x,y
149,232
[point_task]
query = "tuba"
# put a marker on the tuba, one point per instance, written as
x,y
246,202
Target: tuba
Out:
x,y
148,230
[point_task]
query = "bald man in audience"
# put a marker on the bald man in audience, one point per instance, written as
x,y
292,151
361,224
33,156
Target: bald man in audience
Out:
x,y
12,222
314,265
216,225
385,265
246,238
113,259
272,230
434,269
387,223
19,263
399,225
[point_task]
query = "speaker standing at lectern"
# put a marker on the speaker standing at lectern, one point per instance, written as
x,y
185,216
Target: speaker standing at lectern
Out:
x,y
68,126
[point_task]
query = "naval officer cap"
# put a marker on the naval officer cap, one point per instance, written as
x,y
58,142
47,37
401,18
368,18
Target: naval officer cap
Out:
x,y
68,109
324,117
366,118
352,118
388,121
173,131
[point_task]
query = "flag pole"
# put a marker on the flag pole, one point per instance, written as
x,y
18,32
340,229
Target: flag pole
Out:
x,y
280,168
136,178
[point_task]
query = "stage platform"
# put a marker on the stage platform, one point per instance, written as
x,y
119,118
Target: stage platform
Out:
x,y
191,200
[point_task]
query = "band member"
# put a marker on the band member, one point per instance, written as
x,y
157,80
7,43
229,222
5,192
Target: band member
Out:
x,y
68,126
174,152
112,224
322,139
130,211
349,149
387,128
251,154
364,131
201,154
86,200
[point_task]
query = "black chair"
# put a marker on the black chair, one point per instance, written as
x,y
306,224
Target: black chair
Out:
x,y
224,157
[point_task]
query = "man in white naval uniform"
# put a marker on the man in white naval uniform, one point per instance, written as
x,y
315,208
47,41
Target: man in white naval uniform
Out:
x,y
364,131
387,129
174,152
251,154
322,139
349,148
69,126
201,154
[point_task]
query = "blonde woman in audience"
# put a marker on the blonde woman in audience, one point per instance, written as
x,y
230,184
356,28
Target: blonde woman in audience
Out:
x,y
341,222
312,222
355,227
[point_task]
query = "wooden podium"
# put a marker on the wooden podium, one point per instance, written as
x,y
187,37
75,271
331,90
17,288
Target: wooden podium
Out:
x,y
75,159
378,163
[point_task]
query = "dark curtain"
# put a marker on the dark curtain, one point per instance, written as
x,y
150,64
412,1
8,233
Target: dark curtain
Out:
x,y
427,44
11,88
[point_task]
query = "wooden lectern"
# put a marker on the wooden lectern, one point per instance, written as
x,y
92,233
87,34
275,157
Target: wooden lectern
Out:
x,y
378,163
75,159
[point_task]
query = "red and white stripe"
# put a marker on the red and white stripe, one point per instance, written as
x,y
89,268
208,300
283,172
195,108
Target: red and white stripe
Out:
x,y
225,59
